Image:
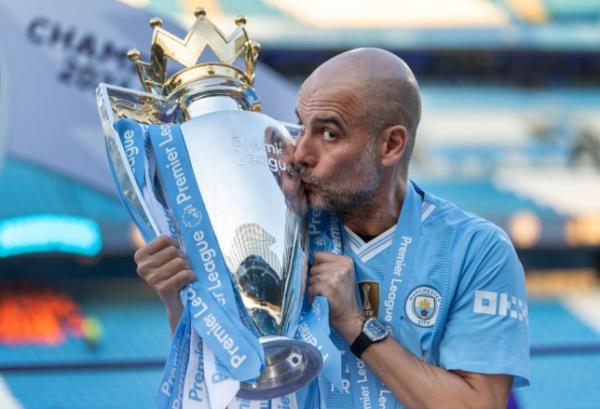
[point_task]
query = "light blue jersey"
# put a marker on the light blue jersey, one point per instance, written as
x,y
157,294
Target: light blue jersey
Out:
x,y
463,303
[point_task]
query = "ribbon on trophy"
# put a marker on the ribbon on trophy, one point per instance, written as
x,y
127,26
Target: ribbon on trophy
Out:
x,y
132,139
210,300
324,234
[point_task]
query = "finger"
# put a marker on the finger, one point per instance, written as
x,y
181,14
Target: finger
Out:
x,y
313,291
175,283
324,269
164,256
152,247
166,271
313,279
324,256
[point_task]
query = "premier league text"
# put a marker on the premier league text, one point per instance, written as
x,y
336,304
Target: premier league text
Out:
x,y
390,299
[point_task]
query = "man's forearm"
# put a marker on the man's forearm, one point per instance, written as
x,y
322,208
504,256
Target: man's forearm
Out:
x,y
419,385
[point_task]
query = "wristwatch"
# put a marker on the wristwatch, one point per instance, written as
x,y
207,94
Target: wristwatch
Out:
x,y
373,331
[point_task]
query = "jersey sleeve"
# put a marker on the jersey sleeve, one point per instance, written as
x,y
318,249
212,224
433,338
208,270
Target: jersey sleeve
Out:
x,y
487,329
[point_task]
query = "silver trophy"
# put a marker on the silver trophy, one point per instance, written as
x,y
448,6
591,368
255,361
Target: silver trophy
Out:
x,y
242,164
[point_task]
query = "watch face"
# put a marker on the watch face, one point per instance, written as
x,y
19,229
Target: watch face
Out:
x,y
374,329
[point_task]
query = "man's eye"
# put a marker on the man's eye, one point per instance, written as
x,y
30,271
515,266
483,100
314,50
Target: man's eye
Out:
x,y
328,134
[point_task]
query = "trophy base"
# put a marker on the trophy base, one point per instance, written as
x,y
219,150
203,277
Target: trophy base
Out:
x,y
289,365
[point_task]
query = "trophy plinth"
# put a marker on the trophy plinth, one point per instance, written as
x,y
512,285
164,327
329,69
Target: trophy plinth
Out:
x,y
242,165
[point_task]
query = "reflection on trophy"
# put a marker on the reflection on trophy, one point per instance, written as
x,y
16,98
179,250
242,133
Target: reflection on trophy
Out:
x,y
241,161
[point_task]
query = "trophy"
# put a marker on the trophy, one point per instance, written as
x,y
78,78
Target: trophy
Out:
x,y
241,162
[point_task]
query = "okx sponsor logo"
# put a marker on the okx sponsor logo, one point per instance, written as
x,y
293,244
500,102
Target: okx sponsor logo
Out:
x,y
503,304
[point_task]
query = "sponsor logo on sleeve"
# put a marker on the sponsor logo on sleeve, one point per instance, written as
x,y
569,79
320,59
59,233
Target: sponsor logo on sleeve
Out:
x,y
502,304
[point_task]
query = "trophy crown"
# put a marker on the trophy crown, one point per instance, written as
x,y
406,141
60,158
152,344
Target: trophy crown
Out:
x,y
187,51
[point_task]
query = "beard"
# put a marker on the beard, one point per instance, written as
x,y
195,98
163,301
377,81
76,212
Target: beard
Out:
x,y
350,193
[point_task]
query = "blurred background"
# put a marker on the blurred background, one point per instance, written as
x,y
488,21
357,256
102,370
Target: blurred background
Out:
x,y
510,131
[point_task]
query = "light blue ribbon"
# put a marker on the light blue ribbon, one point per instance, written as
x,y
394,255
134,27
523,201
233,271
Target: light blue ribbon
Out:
x,y
172,373
132,141
367,390
324,235
211,302
132,133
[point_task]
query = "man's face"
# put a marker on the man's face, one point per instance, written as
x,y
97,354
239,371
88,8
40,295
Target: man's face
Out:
x,y
335,153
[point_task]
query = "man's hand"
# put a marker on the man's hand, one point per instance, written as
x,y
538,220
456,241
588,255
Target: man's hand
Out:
x,y
165,269
333,277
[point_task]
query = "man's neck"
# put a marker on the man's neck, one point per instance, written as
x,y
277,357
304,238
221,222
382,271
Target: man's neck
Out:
x,y
382,215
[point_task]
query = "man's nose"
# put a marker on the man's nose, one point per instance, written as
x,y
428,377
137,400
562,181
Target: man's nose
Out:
x,y
304,154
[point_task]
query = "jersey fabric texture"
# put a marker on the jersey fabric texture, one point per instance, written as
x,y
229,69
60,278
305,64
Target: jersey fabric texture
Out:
x,y
464,305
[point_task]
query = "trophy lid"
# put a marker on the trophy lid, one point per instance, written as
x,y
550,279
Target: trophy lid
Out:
x,y
187,52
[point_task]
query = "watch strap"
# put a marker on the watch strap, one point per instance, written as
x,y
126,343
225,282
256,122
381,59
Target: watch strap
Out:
x,y
363,341
360,344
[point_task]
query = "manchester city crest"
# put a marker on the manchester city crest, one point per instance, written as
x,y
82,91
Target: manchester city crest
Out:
x,y
422,305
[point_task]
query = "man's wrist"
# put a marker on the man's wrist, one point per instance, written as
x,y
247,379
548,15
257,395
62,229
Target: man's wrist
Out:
x,y
174,311
351,328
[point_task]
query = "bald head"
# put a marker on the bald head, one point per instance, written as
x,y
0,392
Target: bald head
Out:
x,y
385,85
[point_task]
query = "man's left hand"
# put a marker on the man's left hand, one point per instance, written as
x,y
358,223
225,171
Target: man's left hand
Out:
x,y
333,277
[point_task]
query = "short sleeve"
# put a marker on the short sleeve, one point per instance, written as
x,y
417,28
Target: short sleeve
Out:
x,y
487,329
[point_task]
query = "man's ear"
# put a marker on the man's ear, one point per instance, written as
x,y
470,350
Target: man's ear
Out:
x,y
393,142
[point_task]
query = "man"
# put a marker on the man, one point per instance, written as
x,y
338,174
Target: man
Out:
x,y
448,285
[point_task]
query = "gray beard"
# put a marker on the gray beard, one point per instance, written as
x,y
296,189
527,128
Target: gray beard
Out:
x,y
358,201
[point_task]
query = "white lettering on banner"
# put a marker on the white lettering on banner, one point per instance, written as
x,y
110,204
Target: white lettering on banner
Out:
x,y
362,371
197,390
214,328
175,166
502,304
383,398
336,235
165,130
307,336
313,227
316,307
390,299
178,176
170,382
208,255
345,386
365,397
196,301
130,149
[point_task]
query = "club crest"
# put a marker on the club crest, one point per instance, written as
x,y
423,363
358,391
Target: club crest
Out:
x,y
369,295
422,306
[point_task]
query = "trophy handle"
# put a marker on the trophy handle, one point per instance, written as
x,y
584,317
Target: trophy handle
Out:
x,y
130,193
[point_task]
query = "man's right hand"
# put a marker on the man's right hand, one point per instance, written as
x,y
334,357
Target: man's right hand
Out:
x,y
165,269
